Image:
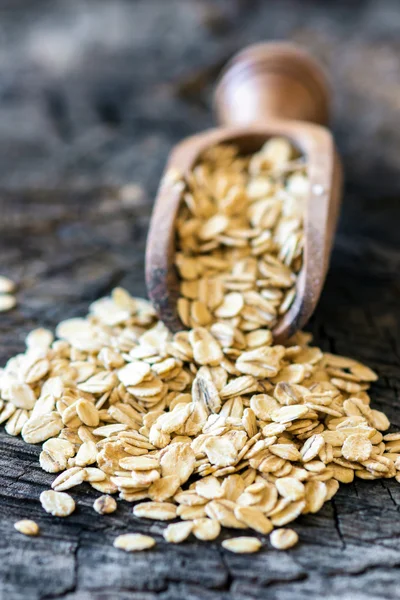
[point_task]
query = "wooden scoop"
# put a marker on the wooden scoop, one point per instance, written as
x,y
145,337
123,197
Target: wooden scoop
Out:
x,y
266,90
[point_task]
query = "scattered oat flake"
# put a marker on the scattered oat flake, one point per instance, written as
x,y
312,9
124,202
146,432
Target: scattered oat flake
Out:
x,y
206,529
161,511
283,539
134,542
57,504
7,302
178,532
6,285
105,505
242,545
27,527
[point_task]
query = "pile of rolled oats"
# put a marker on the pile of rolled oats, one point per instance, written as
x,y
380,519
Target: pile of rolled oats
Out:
x,y
240,236
199,425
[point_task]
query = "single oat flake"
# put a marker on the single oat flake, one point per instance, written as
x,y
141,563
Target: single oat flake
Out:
x,y
58,504
206,529
7,286
7,302
282,539
242,545
27,527
105,505
178,532
134,542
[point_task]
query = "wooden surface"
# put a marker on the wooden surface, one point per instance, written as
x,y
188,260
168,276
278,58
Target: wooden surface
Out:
x,y
92,96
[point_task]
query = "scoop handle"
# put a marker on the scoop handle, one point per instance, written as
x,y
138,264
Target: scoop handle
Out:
x,y
272,81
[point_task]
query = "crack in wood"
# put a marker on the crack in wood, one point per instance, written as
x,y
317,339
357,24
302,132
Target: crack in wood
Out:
x,y
389,491
336,520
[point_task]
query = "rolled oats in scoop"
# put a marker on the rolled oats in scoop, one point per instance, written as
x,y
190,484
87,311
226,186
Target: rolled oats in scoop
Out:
x,y
240,237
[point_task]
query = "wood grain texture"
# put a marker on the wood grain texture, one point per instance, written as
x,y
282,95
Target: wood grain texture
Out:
x,y
93,96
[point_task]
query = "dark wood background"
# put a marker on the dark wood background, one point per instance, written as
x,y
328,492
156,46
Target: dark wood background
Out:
x,y
93,94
